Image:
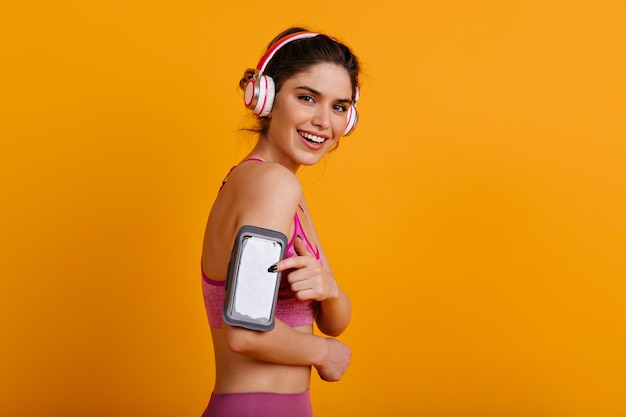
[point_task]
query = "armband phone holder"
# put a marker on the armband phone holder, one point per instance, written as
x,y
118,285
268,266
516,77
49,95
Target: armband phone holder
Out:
x,y
252,291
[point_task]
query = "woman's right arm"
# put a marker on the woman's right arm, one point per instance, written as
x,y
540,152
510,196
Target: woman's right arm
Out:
x,y
268,197
288,346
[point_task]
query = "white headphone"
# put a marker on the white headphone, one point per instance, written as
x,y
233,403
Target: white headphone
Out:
x,y
260,90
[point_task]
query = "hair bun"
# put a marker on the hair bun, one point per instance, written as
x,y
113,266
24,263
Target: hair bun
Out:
x,y
247,76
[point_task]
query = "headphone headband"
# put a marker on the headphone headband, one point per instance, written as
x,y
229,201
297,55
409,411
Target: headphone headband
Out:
x,y
267,57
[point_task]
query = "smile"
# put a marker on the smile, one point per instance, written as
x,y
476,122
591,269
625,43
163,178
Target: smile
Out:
x,y
311,138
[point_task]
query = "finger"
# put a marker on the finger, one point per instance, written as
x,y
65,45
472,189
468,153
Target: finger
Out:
x,y
308,294
288,263
293,262
300,279
300,247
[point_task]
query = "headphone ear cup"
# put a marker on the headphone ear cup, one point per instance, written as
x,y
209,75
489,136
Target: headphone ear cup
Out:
x,y
266,96
353,118
251,94
259,95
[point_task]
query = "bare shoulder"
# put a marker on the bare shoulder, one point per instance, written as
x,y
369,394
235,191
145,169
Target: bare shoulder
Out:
x,y
272,174
258,180
267,194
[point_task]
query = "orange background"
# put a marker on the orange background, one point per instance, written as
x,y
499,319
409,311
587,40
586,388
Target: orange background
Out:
x,y
476,217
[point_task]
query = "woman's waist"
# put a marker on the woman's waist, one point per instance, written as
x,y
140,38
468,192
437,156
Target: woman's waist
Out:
x,y
236,372
259,376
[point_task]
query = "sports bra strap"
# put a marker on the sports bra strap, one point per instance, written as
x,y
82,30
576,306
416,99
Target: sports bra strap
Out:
x,y
231,170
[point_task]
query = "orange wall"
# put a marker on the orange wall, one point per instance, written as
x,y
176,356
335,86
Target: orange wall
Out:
x,y
476,217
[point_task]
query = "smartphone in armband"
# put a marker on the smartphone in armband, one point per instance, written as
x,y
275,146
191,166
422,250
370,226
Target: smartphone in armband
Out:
x,y
252,291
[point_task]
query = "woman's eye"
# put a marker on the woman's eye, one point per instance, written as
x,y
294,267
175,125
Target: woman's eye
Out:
x,y
307,99
340,107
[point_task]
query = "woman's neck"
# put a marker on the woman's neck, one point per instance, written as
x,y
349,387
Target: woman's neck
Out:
x,y
268,153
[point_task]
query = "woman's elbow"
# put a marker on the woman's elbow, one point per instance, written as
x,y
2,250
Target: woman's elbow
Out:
x,y
332,331
239,340
332,326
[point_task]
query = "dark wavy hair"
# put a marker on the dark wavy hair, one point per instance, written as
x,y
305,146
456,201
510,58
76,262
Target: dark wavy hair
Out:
x,y
298,56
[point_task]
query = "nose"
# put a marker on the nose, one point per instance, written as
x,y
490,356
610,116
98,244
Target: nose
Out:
x,y
321,118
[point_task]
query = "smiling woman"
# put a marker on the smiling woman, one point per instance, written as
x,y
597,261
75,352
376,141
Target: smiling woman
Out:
x,y
309,115
303,92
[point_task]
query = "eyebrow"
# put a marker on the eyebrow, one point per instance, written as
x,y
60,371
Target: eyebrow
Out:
x,y
318,93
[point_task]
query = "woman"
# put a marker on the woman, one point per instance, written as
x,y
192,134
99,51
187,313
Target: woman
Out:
x,y
303,93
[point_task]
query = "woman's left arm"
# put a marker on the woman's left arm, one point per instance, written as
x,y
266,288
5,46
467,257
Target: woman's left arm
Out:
x,y
311,281
333,315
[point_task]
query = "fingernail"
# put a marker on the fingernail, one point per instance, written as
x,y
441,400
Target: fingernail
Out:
x,y
272,268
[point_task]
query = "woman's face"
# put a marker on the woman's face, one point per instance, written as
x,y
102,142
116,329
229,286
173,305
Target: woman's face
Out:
x,y
309,115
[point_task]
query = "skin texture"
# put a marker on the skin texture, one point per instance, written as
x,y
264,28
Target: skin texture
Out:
x,y
314,104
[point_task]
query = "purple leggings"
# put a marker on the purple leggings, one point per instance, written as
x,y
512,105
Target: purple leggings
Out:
x,y
259,404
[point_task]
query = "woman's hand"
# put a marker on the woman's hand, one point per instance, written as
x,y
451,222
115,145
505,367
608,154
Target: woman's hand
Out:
x,y
335,362
308,280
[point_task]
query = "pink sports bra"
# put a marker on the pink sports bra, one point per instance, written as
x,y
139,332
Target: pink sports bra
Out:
x,y
289,309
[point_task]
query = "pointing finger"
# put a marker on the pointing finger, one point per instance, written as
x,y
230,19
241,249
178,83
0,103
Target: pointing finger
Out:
x,y
295,261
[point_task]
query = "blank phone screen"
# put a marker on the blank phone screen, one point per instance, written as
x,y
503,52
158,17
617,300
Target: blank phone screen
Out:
x,y
255,287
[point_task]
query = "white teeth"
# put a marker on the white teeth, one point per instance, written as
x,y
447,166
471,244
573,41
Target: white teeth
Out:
x,y
312,138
